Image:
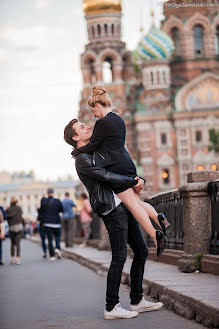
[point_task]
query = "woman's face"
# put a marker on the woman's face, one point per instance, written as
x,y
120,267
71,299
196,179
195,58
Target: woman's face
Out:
x,y
96,111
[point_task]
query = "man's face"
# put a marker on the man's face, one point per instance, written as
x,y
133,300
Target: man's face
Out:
x,y
83,132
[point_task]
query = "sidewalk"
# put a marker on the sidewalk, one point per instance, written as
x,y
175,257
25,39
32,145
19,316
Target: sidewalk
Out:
x,y
191,295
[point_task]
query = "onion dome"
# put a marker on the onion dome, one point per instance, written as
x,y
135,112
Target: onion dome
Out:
x,y
154,45
100,6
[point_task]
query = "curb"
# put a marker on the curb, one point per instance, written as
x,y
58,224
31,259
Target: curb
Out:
x,y
185,306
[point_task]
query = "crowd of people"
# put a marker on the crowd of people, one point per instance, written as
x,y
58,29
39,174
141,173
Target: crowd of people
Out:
x,y
50,225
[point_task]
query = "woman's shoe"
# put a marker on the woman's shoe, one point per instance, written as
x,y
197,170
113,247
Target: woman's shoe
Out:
x,y
163,222
161,242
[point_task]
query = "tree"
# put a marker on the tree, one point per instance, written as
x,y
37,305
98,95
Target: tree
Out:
x,y
214,139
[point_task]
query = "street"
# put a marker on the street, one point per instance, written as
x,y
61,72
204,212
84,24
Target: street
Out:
x,y
39,294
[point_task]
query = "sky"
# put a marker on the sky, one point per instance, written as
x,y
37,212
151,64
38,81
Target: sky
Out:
x,y
40,78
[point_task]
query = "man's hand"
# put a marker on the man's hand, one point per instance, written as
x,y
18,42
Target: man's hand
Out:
x,y
138,187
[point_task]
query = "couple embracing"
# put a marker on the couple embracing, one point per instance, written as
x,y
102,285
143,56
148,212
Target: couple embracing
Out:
x,y
106,169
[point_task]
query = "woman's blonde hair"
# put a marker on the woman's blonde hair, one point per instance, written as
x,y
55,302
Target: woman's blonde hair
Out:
x,y
99,95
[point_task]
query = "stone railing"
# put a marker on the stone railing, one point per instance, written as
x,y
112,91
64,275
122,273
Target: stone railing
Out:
x,y
171,204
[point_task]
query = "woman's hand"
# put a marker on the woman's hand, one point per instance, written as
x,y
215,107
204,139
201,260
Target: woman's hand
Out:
x,y
138,187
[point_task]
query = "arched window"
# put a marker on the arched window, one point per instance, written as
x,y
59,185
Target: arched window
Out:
x,y
199,40
107,70
93,33
176,40
152,78
217,40
164,77
106,29
99,30
112,28
92,71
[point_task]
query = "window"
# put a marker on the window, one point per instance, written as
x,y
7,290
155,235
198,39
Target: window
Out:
x,y
217,40
165,176
112,29
198,40
176,41
198,136
92,30
163,139
98,29
152,78
106,29
214,167
107,70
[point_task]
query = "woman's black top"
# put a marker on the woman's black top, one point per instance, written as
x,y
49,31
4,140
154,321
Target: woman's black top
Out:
x,y
108,143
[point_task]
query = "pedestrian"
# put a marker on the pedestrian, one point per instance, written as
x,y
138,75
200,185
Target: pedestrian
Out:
x,y
120,224
67,220
2,233
15,221
85,217
51,208
42,231
108,141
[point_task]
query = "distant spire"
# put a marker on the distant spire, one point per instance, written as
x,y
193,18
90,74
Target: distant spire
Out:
x,y
141,29
152,18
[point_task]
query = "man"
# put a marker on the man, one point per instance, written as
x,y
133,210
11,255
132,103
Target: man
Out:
x,y
50,208
2,231
121,225
67,219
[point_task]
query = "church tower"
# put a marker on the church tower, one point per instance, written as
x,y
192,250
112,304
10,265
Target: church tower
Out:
x,y
106,60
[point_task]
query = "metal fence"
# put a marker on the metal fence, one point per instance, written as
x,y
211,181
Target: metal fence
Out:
x,y
213,189
171,204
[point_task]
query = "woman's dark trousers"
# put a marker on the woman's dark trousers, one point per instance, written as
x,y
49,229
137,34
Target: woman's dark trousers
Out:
x,y
123,229
15,242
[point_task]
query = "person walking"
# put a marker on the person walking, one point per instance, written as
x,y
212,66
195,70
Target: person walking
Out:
x,y
15,221
85,216
2,233
51,208
42,232
67,220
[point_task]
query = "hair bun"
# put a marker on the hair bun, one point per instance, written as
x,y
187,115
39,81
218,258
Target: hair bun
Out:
x,y
98,90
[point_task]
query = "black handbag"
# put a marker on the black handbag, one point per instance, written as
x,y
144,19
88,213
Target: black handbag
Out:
x,y
101,198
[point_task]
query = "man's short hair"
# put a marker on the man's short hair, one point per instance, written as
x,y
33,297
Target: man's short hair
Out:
x,y
67,194
50,190
69,132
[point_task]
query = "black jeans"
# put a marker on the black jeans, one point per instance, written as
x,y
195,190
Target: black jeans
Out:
x,y
50,231
15,242
123,228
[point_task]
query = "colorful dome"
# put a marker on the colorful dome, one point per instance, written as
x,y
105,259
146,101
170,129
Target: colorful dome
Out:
x,y
100,6
154,45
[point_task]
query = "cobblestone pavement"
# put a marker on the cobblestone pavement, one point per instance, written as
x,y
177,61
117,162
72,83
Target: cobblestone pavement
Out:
x,y
39,294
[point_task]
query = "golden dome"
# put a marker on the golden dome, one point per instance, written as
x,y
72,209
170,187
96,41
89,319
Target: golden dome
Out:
x,y
100,6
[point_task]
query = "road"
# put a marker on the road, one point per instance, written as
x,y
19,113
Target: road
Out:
x,y
39,294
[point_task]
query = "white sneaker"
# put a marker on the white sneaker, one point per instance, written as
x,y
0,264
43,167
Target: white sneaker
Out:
x,y
145,306
52,259
119,313
58,253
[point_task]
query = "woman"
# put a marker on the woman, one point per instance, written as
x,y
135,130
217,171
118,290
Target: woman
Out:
x,y
85,216
2,234
15,222
108,141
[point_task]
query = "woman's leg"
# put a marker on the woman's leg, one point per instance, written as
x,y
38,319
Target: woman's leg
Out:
x,y
150,210
18,246
12,237
130,200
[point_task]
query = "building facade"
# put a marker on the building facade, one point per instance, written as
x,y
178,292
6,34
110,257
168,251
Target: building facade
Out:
x,y
166,90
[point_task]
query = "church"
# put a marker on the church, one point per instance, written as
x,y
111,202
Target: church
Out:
x,y
166,90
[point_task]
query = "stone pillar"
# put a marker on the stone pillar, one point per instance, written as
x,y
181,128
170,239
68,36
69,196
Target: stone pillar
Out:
x,y
196,217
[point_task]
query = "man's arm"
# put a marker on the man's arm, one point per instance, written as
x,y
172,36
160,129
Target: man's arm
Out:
x,y
84,166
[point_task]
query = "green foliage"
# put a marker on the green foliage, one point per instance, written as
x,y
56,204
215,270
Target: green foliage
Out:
x,y
198,264
214,139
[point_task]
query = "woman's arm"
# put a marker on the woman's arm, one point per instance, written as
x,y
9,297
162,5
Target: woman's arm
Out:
x,y
97,138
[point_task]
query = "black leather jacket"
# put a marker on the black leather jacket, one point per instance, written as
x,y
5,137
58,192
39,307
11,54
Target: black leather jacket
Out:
x,y
99,182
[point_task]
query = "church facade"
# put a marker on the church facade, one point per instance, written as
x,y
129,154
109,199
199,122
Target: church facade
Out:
x,y
166,90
